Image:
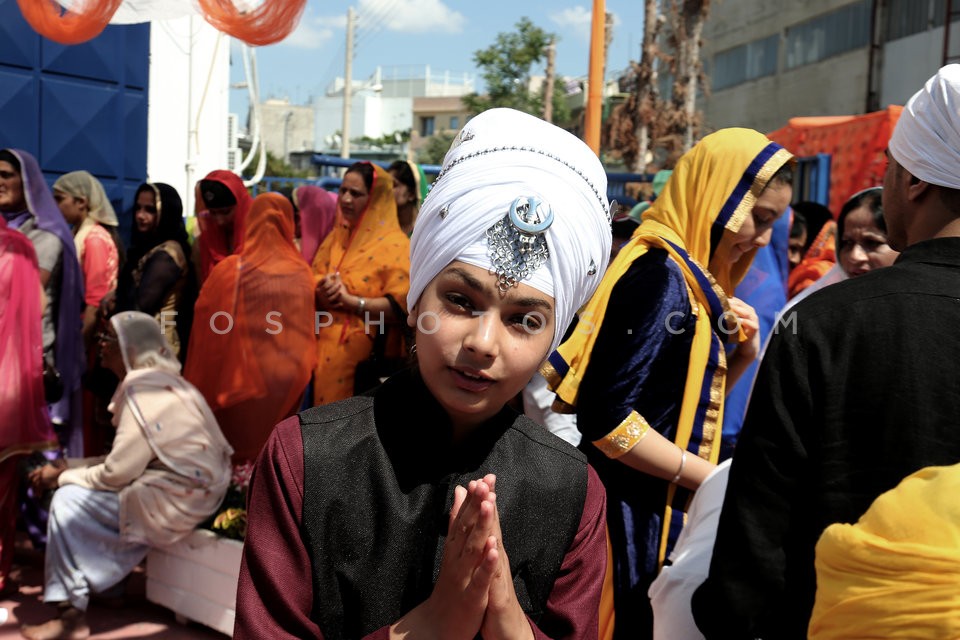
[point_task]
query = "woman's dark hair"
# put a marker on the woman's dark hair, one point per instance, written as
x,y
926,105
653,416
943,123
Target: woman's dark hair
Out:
x,y
799,226
365,169
816,215
783,175
169,227
7,156
401,171
872,199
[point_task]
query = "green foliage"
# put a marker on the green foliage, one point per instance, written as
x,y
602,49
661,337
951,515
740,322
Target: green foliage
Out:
x,y
435,148
277,167
506,66
386,140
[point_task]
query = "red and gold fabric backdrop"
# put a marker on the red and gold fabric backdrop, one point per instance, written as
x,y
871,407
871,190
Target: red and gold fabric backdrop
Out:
x,y
857,145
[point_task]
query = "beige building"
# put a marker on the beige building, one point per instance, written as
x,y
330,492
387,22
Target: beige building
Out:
x,y
770,60
435,115
286,128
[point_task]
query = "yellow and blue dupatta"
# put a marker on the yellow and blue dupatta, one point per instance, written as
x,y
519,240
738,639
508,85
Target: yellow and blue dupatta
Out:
x,y
713,188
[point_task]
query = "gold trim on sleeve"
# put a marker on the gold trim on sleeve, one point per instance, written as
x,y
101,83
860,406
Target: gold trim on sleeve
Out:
x,y
625,437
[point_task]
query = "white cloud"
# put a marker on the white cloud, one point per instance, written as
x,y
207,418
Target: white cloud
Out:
x,y
578,20
314,31
409,16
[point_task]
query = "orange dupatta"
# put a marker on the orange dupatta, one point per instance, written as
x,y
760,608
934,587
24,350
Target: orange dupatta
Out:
x,y
262,364
819,258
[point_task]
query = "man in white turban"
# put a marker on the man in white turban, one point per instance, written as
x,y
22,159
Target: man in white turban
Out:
x,y
860,392
430,508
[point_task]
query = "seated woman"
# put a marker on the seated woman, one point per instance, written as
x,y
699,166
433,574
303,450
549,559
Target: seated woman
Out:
x,y
474,520
255,319
168,471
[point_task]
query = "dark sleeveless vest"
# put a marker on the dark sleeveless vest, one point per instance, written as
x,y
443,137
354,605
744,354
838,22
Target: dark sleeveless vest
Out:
x,y
379,475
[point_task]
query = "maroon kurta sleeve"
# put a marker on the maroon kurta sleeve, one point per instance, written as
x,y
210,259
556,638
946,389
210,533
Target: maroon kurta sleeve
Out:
x,y
575,601
275,594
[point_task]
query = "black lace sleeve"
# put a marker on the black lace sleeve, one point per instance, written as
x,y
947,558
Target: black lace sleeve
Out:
x,y
160,275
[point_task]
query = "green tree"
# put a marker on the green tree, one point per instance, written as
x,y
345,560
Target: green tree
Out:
x,y
435,148
506,68
278,168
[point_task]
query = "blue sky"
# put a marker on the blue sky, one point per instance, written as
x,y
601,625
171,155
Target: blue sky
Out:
x,y
441,33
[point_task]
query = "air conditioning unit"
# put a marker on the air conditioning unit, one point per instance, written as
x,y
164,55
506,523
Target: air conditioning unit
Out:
x,y
234,158
233,133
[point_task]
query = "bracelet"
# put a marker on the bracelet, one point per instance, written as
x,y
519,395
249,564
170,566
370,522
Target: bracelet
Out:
x,y
683,461
361,305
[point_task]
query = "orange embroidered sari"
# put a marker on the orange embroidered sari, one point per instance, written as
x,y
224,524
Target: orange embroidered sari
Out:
x,y
373,259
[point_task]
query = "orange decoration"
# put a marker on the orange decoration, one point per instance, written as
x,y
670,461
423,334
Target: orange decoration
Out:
x,y
857,145
269,23
52,21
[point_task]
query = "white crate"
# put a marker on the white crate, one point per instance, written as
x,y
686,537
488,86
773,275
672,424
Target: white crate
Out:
x,y
197,578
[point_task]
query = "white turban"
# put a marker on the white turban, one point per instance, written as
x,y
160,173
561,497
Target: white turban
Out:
x,y
499,156
926,141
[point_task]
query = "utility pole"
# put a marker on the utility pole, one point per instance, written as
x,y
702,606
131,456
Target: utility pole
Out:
x,y
548,91
591,124
347,87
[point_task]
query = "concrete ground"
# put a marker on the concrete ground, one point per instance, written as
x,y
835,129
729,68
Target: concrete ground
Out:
x,y
135,618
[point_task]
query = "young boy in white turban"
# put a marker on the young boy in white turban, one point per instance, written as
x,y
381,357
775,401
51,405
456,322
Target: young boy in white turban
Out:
x,y
860,393
430,508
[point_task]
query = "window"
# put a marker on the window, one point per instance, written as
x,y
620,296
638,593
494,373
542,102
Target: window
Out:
x,y
828,35
454,122
906,17
426,126
749,61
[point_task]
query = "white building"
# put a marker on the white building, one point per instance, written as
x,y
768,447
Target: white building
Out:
x,y
382,104
187,135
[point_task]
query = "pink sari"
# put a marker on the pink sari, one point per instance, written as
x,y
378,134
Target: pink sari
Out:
x,y
24,420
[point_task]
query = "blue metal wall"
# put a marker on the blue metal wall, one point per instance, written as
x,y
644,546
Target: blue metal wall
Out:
x,y
77,107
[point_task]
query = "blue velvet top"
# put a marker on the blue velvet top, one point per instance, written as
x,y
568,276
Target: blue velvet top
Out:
x,y
639,362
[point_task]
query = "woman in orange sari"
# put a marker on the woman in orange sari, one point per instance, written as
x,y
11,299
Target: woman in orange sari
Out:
x,y
362,273
253,322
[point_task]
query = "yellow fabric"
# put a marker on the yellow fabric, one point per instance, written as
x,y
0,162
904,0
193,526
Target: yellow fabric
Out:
x,y
896,572
373,260
625,437
701,185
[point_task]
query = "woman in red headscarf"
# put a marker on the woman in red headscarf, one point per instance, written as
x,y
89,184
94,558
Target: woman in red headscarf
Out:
x,y
222,205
